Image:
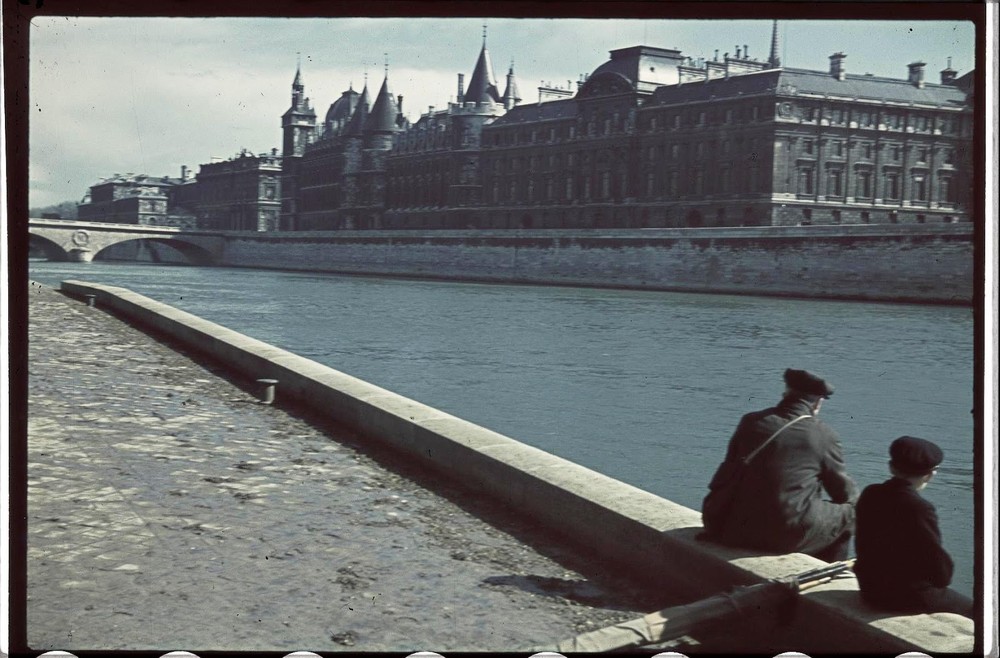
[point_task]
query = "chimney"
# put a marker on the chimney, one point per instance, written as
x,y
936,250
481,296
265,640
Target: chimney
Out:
x,y
461,88
399,103
917,74
837,65
948,75
746,51
184,172
737,52
716,55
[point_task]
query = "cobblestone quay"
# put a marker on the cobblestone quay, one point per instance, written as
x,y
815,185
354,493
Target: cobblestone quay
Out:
x,y
170,510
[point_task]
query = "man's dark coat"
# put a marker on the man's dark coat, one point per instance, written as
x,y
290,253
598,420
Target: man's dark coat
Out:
x,y
901,562
780,504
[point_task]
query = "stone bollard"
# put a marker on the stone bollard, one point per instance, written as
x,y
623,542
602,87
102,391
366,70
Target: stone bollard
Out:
x,y
92,300
267,390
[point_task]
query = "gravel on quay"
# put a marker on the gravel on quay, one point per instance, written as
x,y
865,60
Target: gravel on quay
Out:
x,y
168,510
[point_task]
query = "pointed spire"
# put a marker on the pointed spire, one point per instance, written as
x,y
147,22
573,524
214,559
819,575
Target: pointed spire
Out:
x,y
383,113
482,88
774,60
511,96
360,117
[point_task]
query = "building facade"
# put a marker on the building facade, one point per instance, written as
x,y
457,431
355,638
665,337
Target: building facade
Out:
x,y
434,171
242,193
731,142
651,138
129,199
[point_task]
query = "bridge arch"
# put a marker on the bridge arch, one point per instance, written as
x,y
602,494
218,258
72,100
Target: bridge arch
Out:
x,y
71,240
49,248
194,254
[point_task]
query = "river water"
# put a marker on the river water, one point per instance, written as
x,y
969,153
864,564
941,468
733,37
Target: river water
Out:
x,y
645,387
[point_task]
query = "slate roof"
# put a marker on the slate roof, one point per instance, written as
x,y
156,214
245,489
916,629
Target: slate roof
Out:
x,y
360,117
559,109
382,117
482,87
810,82
511,92
644,67
342,108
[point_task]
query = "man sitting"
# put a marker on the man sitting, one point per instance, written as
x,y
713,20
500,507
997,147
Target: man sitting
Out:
x,y
901,563
768,494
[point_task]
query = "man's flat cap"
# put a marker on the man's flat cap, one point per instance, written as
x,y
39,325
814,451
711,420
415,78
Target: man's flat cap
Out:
x,y
806,382
915,456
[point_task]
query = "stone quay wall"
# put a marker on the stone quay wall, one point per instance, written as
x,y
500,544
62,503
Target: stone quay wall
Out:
x,y
639,532
905,263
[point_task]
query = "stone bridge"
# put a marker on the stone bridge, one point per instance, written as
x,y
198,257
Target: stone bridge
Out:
x,y
72,240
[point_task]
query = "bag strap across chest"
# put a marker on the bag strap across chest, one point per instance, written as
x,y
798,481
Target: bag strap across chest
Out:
x,y
746,460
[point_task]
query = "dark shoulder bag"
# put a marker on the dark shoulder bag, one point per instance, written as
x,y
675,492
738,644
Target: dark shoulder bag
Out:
x,y
725,487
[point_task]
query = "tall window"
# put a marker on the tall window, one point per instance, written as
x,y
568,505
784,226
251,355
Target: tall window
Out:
x,y
836,183
864,180
947,191
892,186
919,188
806,181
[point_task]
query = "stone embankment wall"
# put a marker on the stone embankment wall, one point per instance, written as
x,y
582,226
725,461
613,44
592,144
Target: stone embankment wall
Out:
x,y
912,263
653,538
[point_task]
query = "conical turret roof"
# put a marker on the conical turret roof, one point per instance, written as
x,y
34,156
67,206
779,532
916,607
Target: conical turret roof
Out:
x,y
383,113
360,117
511,93
482,88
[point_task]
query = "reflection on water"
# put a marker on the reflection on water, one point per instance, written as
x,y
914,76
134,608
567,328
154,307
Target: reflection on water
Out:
x,y
643,386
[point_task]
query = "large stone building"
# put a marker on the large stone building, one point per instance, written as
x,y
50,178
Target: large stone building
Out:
x,y
133,199
651,138
242,193
435,169
335,173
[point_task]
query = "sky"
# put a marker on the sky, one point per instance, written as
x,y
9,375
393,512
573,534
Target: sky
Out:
x,y
118,95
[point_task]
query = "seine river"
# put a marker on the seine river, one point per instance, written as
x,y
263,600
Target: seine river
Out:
x,y
643,386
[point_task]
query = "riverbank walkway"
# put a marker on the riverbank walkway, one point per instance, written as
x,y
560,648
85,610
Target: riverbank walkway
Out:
x,y
169,510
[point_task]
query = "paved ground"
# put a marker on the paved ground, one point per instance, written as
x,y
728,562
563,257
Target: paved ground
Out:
x,y
168,510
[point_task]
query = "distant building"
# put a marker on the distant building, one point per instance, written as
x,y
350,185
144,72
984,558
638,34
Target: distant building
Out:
x,y
335,174
651,138
242,193
128,199
655,139
434,171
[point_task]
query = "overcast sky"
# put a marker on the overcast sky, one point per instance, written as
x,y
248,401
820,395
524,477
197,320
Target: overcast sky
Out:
x,y
147,95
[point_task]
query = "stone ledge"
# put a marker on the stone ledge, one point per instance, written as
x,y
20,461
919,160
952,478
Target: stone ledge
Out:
x,y
643,534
